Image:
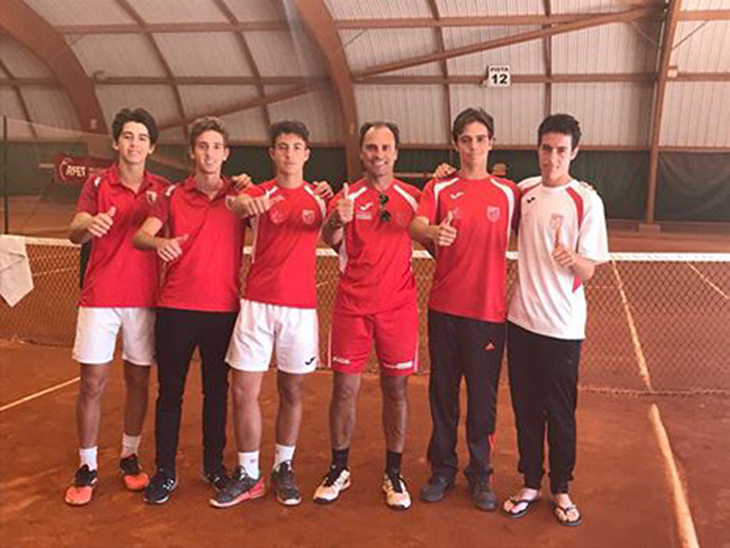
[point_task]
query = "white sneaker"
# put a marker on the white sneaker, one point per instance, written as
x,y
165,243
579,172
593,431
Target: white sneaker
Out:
x,y
396,493
336,480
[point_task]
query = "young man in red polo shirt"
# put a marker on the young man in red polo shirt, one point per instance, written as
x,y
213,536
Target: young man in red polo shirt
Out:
x,y
375,302
468,217
278,314
110,209
561,240
198,301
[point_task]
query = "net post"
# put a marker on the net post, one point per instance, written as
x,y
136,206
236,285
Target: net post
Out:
x,y
6,201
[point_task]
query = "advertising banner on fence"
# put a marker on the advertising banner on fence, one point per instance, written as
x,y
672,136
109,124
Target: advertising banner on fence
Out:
x,y
74,170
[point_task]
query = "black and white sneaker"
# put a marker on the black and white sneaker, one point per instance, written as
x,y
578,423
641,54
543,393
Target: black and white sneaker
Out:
x,y
336,480
218,479
284,484
161,486
396,493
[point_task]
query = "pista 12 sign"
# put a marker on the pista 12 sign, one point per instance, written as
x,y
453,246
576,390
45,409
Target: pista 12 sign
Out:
x,y
498,76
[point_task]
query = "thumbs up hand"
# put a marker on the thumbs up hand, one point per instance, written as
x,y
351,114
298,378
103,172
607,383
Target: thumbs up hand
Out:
x,y
445,234
345,210
563,256
102,223
169,249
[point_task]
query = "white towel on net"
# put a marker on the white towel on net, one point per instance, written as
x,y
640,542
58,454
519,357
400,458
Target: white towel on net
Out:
x,y
16,280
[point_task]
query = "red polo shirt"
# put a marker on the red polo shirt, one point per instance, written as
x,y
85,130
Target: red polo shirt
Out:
x,y
206,277
471,273
284,247
375,255
118,275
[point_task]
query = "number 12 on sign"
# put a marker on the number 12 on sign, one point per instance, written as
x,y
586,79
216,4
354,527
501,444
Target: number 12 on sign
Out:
x,y
498,76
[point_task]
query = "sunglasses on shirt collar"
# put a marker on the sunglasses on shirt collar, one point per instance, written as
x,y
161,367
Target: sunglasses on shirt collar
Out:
x,y
383,213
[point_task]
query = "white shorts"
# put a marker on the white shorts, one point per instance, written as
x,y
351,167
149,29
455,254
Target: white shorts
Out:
x,y
261,328
96,335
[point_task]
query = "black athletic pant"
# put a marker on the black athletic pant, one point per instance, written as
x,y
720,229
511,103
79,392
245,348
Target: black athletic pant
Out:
x,y
177,334
543,378
463,347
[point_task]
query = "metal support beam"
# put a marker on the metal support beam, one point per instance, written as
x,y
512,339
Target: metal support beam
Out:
x,y
665,54
318,21
35,33
127,7
12,82
246,51
439,33
519,38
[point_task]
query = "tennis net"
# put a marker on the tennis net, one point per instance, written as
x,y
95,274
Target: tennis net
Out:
x,y
657,322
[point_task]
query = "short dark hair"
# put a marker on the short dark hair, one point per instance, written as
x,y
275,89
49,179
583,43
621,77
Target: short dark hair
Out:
x,y
207,123
471,115
290,127
394,129
560,123
139,115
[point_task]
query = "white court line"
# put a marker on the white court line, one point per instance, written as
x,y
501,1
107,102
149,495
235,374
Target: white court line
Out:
x,y
708,282
39,394
685,524
640,359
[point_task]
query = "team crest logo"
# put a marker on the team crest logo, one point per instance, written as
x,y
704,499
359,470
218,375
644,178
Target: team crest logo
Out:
x,y
556,221
308,216
277,216
151,196
493,213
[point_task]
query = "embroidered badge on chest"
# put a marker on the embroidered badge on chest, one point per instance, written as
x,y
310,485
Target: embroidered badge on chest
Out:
x,y
556,221
493,214
151,196
308,216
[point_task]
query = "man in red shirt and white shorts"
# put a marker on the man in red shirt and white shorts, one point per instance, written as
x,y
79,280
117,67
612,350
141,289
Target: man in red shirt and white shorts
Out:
x,y
110,209
468,217
562,238
375,302
197,304
278,314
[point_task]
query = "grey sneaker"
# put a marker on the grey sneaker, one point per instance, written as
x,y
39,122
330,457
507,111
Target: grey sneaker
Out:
x,y
436,488
240,487
285,485
482,495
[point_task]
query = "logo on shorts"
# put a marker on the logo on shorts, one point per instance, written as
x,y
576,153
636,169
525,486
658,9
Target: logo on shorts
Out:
x,y
310,361
493,213
399,366
308,216
489,346
337,359
556,221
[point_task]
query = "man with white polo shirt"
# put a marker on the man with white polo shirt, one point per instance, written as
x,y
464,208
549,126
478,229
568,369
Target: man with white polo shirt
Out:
x,y
375,303
278,314
111,207
562,237
467,216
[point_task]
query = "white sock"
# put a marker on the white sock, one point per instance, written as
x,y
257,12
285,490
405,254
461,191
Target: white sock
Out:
x,y
284,453
249,460
88,457
130,445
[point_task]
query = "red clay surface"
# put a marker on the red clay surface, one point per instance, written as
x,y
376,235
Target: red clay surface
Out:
x,y
620,481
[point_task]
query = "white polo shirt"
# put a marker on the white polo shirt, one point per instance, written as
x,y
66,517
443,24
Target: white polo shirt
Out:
x,y
548,299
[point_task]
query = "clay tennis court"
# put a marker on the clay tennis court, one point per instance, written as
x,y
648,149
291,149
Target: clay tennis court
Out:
x,y
623,480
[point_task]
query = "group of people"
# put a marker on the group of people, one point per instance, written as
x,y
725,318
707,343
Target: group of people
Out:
x,y
165,267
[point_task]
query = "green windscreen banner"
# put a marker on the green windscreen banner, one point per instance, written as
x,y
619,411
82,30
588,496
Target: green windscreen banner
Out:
x,y
693,187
